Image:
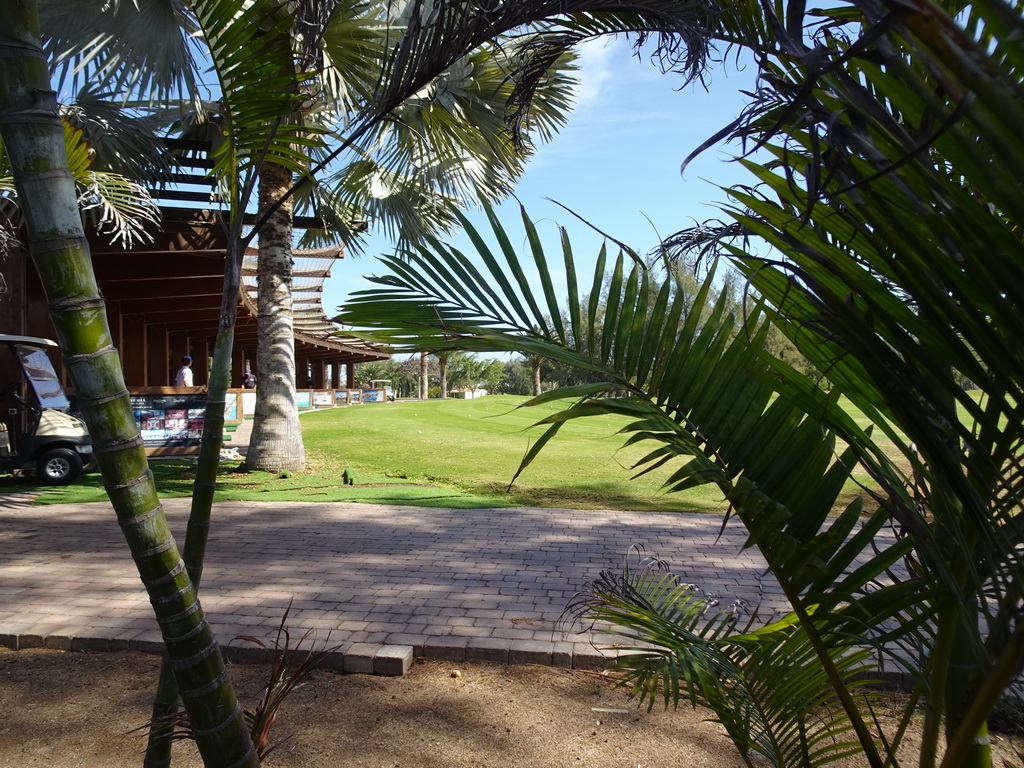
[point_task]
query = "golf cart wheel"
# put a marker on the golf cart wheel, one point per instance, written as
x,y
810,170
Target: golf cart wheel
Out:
x,y
59,466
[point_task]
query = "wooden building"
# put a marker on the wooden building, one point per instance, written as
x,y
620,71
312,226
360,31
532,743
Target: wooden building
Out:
x,y
163,298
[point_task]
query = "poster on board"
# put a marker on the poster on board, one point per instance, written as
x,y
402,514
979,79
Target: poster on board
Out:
x,y
170,420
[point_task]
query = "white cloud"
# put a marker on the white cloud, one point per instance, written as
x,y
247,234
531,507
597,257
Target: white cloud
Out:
x,y
597,59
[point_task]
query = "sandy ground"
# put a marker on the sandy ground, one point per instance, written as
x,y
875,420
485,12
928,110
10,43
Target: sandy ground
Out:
x,y
74,710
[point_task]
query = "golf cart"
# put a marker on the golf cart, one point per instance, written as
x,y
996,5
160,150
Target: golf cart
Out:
x,y
38,434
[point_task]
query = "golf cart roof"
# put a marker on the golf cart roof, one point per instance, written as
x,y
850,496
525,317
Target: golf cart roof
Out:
x,y
32,341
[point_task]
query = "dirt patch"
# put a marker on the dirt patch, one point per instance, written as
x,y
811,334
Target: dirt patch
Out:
x,y
77,710
73,709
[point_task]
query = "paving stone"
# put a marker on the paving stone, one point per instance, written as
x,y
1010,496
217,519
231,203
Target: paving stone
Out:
x,y
238,653
490,650
359,658
121,642
57,642
90,644
393,660
446,648
402,638
587,657
334,659
146,645
443,564
523,652
30,640
561,654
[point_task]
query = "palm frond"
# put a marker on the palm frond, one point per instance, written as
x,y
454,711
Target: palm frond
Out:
x,y
117,206
761,682
250,47
142,48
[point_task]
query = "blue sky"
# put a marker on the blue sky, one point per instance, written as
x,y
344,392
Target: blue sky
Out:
x,y
616,163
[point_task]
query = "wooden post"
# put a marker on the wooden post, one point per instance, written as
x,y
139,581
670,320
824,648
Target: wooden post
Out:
x,y
133,350
158,356
200,351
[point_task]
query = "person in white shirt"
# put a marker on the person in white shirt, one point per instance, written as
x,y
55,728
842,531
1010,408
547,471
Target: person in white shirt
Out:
x,y
183,378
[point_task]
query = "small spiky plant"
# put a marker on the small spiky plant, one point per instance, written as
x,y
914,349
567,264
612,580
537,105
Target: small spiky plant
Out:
x,y
291,666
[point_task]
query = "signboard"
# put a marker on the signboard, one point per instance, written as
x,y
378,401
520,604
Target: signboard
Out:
x,y
170,420
341,396
302,399
323,398
231,407
248,403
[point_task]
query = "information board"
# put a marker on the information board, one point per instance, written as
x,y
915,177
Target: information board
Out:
x,y
170,420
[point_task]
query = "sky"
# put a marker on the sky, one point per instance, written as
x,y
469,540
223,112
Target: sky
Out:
x,y
616,163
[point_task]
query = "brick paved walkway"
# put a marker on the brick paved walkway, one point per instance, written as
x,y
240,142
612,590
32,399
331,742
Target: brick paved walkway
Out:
x,y
478,584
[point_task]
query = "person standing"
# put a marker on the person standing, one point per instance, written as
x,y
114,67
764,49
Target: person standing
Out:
x,y
183,378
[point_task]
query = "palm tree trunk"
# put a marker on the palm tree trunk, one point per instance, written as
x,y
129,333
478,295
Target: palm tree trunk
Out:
x,y
32,133
536,363
424,375
442,368
276,442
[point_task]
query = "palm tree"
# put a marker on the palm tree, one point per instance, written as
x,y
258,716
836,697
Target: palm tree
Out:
x,y
110,202
435,151
33,132
249,58
442,369
424,393
536,361
892,205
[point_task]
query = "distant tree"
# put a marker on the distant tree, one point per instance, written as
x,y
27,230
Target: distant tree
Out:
x,y
516,378
444,357
375,369
536,362
474,371
491,375
424,375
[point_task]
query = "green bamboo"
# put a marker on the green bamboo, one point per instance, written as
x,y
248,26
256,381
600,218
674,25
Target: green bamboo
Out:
x,y
166,700
33,136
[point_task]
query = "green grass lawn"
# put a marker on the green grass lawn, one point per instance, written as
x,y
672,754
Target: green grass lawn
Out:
x,y
446,453
477,446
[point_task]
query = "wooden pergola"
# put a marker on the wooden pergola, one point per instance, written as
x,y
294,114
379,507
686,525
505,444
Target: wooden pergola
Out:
x,y
163,298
